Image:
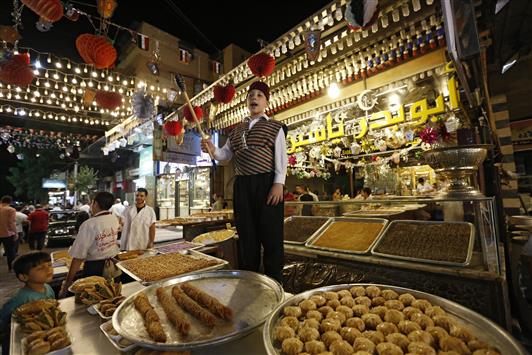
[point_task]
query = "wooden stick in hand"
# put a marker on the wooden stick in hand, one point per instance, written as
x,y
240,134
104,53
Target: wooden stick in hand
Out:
x,y
180,82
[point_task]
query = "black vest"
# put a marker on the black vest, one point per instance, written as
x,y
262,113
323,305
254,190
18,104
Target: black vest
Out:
x,y
254,149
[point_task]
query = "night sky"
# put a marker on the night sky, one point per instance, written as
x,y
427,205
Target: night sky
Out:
x,y
207,25
240,22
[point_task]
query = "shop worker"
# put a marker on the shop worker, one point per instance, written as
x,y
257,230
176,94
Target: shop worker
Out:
x,y
258,148
95,242
138,229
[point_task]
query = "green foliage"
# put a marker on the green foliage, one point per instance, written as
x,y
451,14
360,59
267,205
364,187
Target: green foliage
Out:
x,y
27,175
85,180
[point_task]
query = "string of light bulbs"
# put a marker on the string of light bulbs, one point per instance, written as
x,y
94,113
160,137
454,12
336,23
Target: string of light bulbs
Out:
x,y
58,99
344,66
48,115
126,83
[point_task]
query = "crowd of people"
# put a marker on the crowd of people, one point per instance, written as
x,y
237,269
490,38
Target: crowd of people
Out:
x,y
96,244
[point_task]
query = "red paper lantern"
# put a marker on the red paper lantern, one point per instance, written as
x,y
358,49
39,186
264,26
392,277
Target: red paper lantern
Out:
x,y
173,128
188,114
96,50
16,71
261,64
224,94
50,10
108,100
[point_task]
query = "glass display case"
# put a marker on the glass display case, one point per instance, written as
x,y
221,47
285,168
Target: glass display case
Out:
x,y
200,190
478,282
166,196
183,198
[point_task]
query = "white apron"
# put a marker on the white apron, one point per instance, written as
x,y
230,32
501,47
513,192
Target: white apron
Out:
x,y
136,228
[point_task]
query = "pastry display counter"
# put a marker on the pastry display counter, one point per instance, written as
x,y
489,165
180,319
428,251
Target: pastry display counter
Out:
x,y
479,284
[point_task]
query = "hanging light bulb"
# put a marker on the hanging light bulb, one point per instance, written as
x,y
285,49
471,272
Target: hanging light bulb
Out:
x,y
338,14
333,91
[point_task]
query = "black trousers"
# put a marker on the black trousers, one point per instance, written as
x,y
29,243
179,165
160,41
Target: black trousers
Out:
x,y
93,268
258,224
36,240
9,248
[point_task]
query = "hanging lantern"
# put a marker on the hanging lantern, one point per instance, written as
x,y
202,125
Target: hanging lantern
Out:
x,y
188,114
106,8
16,71
96,50
81,45
108,100
102,52
261,64
173,128
49,10
224,94
361,14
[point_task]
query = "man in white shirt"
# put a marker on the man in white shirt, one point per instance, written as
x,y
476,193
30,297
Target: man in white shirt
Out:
x,y
117,209
424,187
138,230
86,207
314,196
20,220
95,241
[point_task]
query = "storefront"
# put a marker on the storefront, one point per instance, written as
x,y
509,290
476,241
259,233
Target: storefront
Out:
x,y
183,175
389,106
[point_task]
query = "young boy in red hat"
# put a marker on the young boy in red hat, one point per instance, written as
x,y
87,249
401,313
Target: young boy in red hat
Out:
x,y
258,148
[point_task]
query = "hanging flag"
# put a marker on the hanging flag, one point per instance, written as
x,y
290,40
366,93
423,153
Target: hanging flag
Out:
x,y
143,42
216,67
184,56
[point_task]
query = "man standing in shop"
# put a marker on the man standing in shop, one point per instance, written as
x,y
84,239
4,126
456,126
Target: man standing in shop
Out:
x,y
138,230
38,227
117,209
8,229
258,147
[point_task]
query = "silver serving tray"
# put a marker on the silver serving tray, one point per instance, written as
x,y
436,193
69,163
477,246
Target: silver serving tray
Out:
x,y
409,258
323,228
521,220
114,339
189,246
373,213
252,297
222,264
289,219
481,327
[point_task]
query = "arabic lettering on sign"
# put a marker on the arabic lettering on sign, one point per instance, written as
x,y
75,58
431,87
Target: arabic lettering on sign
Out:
x,y
419,113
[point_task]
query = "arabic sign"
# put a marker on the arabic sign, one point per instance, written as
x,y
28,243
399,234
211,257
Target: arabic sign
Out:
x,y
417,115
166,148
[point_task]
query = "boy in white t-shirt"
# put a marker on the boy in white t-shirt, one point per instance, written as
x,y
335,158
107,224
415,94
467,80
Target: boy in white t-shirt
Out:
x,y
95,241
